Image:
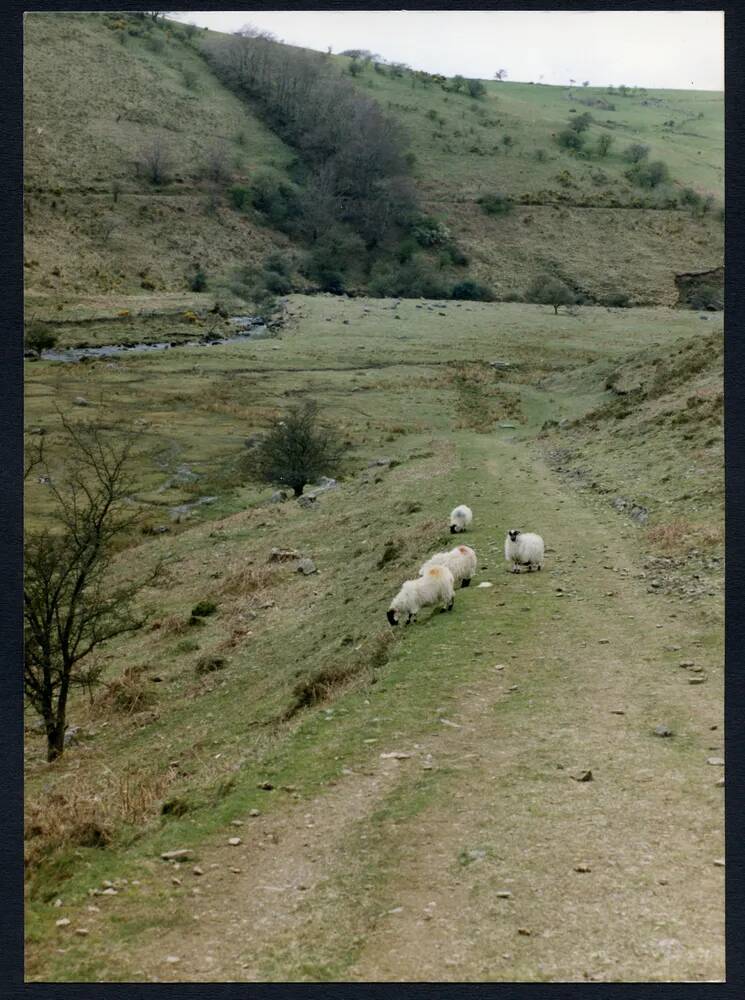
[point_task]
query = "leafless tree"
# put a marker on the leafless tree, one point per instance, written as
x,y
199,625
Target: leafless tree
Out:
x,y
70,603
155,162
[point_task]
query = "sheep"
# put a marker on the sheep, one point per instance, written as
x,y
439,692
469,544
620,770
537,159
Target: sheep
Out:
x,y
460,519
523,548
435,587
461,561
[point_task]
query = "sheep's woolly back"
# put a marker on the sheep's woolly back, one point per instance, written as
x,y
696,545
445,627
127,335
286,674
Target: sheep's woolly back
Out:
x,y
528,548
461,561
435,586
461,517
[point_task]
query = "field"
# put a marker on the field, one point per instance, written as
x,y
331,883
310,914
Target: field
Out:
x,y
427,818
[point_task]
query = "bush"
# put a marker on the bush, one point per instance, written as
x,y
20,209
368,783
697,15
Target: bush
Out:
x,y
38,337
198,281
569,139
546,289
472,290
279,263
618,300
706,297
649,175
239,196
475,88
429,232
189,77
540,156
277,283
275,197
216,164
154,162
329,258
581,123
496,203
412,279
298,449
636,152
605,142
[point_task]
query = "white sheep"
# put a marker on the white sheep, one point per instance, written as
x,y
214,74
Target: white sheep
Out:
x,y
523,548
460,519
461,561
435,587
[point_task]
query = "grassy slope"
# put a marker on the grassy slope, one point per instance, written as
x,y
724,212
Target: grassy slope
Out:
x,y
394,384
79,79
91,106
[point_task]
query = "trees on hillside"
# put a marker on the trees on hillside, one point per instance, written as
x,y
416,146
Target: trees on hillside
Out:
x,y
38,337
500,75
71,605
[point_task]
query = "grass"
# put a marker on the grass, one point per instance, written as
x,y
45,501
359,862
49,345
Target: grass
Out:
x,y
312,671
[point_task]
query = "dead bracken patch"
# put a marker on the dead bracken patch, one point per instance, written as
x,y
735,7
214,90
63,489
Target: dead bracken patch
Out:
x,y
680,535
127,693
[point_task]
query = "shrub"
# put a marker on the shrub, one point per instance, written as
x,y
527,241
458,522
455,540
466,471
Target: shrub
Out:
x,y
496,203
154,162
297,449
203,608
189,77
38,337
581,123
239,196
605,142
429,232
277,283
412,279
706,297
216,164
546,289
475,88
472,290
279,263
274,197
540,155
649,175
636,152
618,300
569,139
198,281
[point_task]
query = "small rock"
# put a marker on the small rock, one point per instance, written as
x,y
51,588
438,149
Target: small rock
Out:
x,y
254,812
180,855
236,822
172,959
617,711
62,922
503,894
306,567
307,501
176,881
719,862
80,401
715,761
484,584
234,841
395,755
265,786
686,663
582,776
524,931
82,931
663,731
720,783
499,666
196,870
582,868
57,902
697,679
110,892
603,642
447,722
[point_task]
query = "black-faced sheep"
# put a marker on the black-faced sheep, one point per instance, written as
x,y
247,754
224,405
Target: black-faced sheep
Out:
x,y
460,519
435,587
523,548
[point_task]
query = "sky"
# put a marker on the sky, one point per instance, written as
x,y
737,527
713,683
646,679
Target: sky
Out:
x,y
655,49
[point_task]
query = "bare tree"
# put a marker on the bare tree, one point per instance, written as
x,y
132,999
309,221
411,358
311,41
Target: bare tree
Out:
x,y
500,75
70,605
155,162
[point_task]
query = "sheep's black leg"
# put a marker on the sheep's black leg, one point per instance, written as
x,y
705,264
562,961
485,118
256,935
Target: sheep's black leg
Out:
x,y
466,582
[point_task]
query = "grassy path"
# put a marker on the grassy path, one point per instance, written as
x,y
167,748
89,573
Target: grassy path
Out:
x,y
401,870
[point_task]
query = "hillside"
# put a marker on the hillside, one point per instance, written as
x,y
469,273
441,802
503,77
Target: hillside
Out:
x,y
98,95
475,855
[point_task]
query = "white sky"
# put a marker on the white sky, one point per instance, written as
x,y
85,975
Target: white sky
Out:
x,y
675,49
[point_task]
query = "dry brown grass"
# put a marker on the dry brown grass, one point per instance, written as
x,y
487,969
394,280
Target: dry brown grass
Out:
x,y
126,694
681,535
247,580
87,815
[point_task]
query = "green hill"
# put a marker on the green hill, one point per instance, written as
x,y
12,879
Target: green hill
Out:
x,y
101,89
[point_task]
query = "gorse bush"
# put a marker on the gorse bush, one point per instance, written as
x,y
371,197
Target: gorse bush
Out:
x,y
429,232
636,152
472,290
649,174
568,138
496,203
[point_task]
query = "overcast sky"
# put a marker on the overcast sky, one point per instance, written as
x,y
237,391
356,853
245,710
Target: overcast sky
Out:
x,y
678,49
